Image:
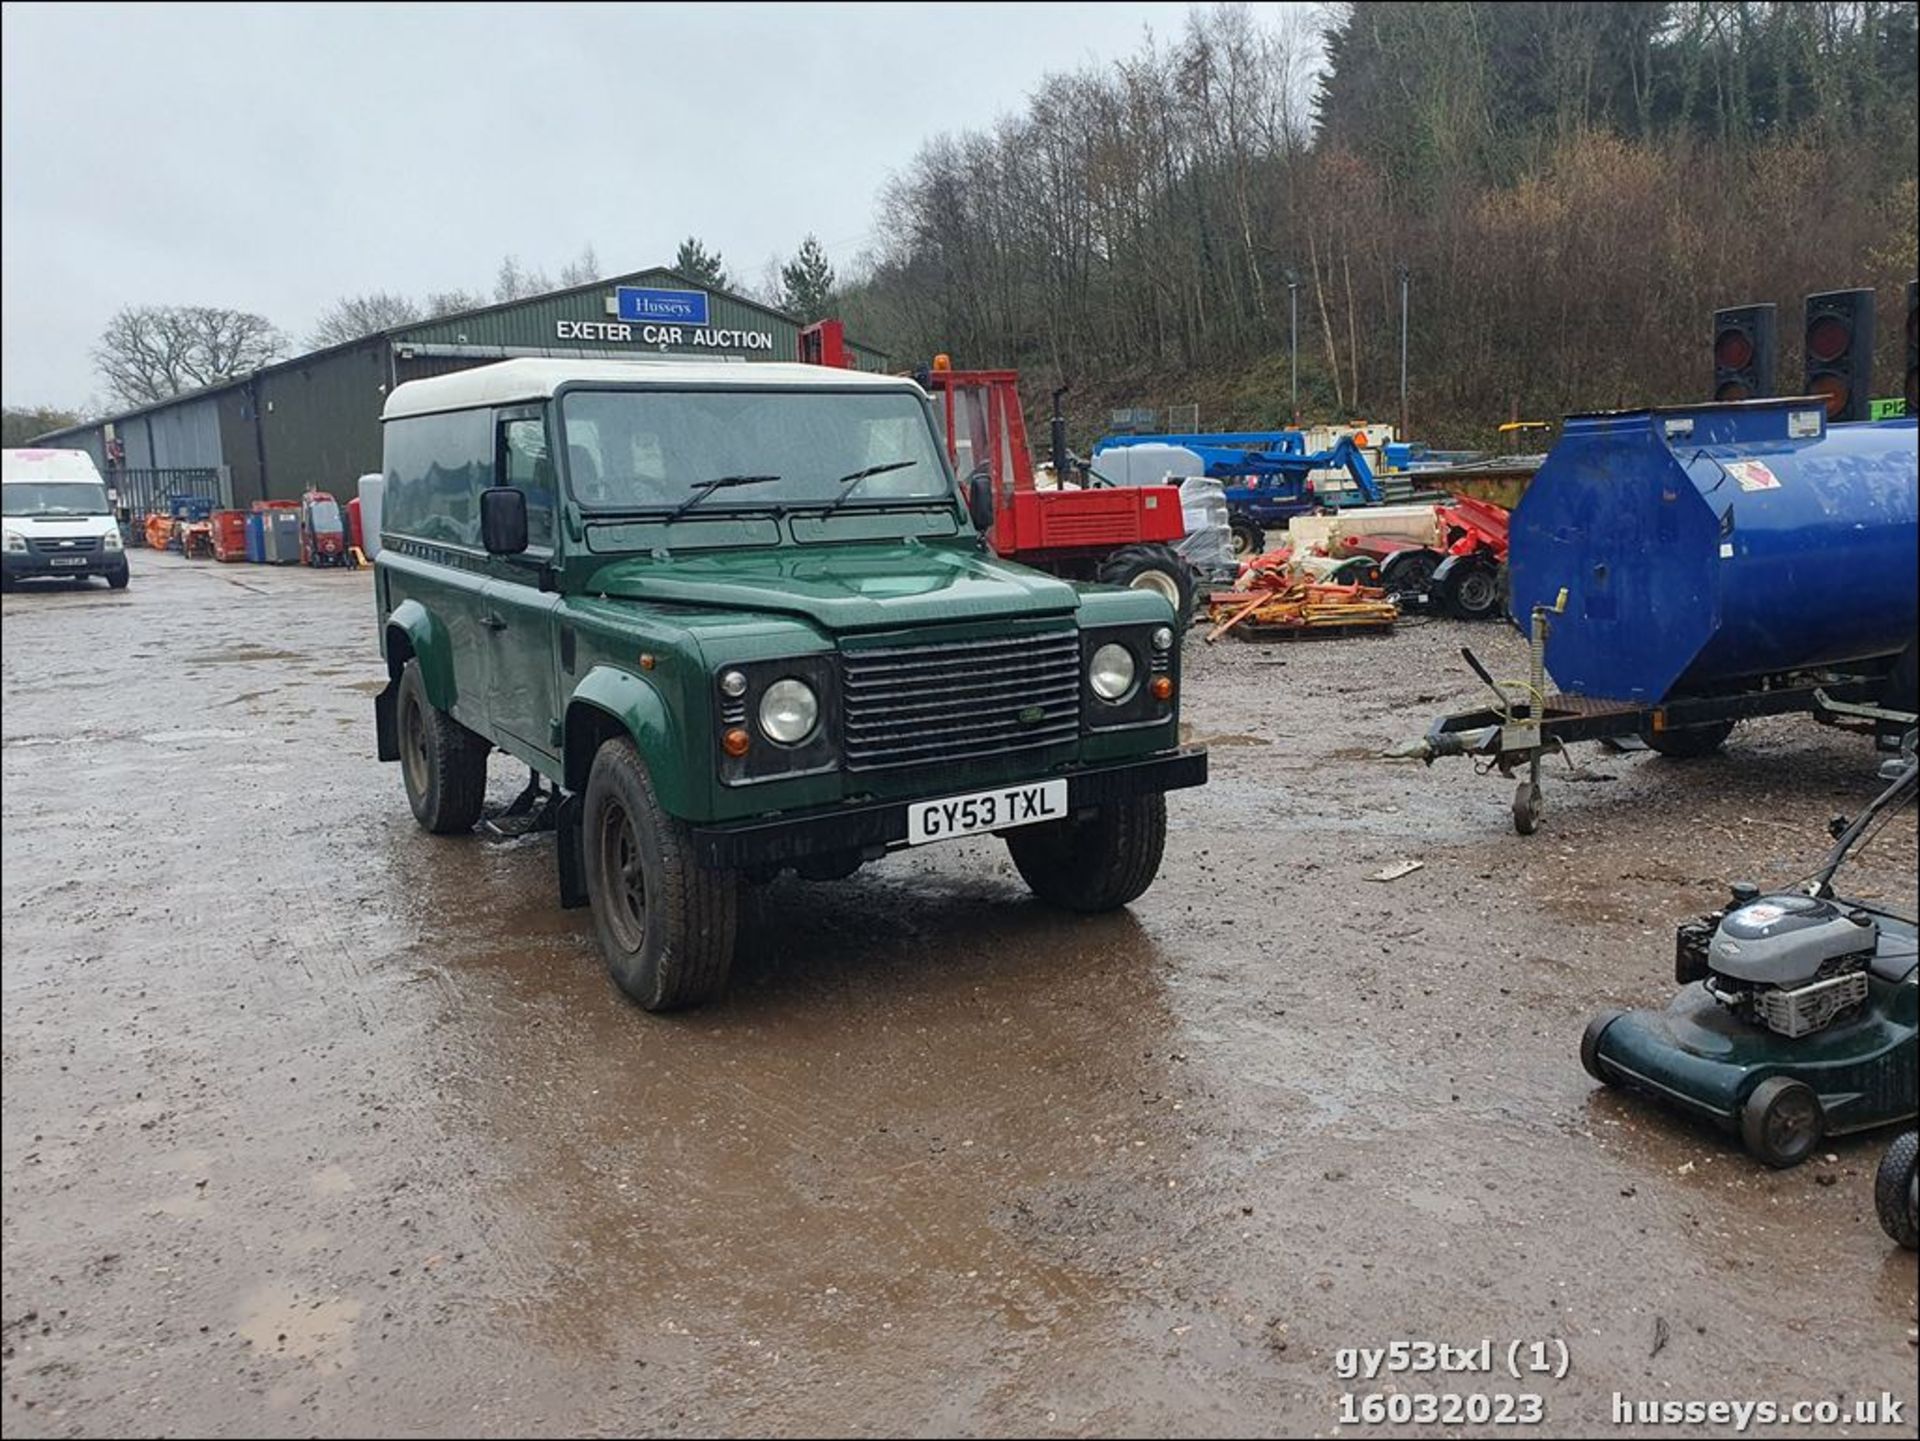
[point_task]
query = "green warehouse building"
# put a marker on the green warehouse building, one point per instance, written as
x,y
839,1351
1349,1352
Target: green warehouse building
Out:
x,y
313,422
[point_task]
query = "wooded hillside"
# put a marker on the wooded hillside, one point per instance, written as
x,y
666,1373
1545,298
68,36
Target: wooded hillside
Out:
x,y
1572,187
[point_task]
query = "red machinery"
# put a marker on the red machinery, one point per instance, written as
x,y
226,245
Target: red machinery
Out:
x,y
1122,535
1466,576
229,535
323,530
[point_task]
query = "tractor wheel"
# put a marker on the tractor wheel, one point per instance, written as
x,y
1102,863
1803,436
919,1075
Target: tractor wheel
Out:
x,y
1155,568
1590,1047
1096,863
1782,1122
1896,1191
666,923
1686,743
1248,540
1471,592
442,763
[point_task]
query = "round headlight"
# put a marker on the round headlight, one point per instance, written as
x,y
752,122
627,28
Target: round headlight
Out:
x,y
1111,672
1163,638
733,684
789,711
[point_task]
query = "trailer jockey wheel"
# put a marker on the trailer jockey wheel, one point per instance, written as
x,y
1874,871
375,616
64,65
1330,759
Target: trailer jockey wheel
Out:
x,y
1527,805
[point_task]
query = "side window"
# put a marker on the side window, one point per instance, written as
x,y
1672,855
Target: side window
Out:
x,y
526,464
436,467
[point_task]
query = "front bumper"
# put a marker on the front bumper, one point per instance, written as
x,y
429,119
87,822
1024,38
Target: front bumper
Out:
x,y
19,565
882,825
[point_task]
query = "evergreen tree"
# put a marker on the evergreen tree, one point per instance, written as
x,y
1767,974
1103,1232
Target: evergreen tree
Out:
x,y
697,263
806,283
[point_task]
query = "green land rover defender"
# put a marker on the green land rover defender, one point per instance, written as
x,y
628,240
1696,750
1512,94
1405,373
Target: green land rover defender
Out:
x,y
743,618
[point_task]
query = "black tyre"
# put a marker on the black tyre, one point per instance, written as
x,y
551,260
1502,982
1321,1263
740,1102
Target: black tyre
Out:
x,y
1471,592
8,585
1528,803
1408,574
1782,1122
1903,682
1248,540
1590,1047
442,763
1686,743
1896,1191
666,924
118,579
1098,863
1155,568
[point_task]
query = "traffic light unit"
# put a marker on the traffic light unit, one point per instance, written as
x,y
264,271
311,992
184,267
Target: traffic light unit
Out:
x,y
1839,352
1743,352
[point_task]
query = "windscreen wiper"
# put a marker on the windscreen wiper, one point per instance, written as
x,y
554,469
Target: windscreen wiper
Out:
x,y
851,482
704,488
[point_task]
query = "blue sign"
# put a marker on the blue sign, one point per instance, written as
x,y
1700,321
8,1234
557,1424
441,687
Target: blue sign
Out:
x,y
671,307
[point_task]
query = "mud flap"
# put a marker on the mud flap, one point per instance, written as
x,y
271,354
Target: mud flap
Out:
x,y
569,852
386,722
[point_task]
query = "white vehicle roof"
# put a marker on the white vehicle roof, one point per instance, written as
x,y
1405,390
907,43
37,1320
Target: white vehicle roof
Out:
x,y
47,465
513,382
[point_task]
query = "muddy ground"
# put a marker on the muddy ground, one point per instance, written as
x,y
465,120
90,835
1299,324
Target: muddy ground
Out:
x,y
315,1123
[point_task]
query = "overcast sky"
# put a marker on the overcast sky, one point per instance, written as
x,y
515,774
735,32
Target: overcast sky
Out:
x,y
273,158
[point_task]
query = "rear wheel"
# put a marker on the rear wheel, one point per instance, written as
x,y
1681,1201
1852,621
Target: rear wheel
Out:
x,y
1155,568
442,763
1896,1191
1408,574
666,924
1782,1122
1096,863
1471,592
1683,743
1248,540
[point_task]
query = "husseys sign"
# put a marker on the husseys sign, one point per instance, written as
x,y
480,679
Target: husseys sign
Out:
x,y
661,317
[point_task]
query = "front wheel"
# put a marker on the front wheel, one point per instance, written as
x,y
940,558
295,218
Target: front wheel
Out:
x,y
1782,1122
118,579
1155,568
1896,1191
1590,1040
666,924
1094,863
442,763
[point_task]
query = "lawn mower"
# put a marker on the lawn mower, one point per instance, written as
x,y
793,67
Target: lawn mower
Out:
x,y
323,530
1796,1017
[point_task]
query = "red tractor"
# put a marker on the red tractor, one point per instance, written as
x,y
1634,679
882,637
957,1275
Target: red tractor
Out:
x,y
1084,528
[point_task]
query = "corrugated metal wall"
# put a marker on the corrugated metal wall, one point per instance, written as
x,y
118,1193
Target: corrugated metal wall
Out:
x,y
323,421
185,435
534,324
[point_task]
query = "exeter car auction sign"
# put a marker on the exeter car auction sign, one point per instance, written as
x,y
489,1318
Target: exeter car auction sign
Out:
x,y
661,317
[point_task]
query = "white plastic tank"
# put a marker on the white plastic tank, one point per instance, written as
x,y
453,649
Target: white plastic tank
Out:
x,y
1147,464
371,488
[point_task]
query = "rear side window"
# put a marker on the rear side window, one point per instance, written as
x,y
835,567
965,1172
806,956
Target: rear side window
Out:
x,y
437,465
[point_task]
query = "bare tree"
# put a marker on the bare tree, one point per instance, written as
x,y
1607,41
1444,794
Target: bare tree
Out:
x,y
583,269
151,352
452,302
353,316
513,281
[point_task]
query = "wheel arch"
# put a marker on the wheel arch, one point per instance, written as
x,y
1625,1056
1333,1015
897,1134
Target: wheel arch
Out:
x,y
415,633
609,703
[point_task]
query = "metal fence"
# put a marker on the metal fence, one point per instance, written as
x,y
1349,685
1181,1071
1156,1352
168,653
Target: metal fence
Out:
x,y
140,492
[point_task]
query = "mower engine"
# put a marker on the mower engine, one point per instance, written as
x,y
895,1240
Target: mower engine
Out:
x,y
1793,963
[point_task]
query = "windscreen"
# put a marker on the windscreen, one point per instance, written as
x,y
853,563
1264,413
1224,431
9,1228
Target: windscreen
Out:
x,y
646,449
54,498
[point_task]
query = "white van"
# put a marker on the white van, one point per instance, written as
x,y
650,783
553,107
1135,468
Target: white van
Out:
x,y
58,519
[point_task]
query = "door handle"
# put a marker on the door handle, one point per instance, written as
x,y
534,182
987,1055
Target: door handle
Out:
x,y
493,622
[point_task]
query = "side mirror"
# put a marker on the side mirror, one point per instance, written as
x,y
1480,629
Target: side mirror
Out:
x,y
980,499
503,520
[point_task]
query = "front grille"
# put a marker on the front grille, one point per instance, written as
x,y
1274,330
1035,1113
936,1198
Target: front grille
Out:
x,y
962,700
70,545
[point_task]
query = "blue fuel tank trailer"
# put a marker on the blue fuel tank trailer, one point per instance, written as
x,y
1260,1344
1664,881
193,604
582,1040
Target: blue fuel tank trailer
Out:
x,y
1703,547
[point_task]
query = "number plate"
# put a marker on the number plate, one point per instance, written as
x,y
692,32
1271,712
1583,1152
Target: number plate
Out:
x,y
67,560
997,810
